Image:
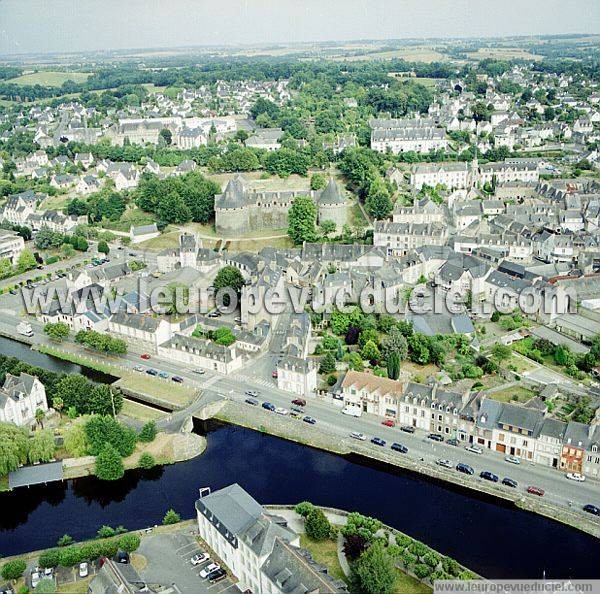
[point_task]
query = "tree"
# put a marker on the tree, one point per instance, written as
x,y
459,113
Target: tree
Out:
x,y
302,220
328,227
166,136
327,363
317,182
13,570
103,247
69,556
418,345
501,352
148,432
40,415
378,201
171,517
304,508
395,342
229,277
223,336
317,525
129,542
26,261
6,268
58,404
41,447
354,546
14,446
109,465
102,430
374,571
146,461
49,558
393,366
57,331
370,352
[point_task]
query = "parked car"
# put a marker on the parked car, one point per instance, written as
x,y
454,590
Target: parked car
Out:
x,y
138,368
435,437
151,371
535,491
297,410
282,411
575,476
310,420
378,441
453,441
474,448
352,411
122,557
145,356
35,579
510,482
407,429
591,509
209,569
163,374
83,570
252,393
389,423
443,462
398,447
178,379
200,558
512,459
274,374
252,401
299,402
488,476
465,469
217,576
199,371
268,406
358,435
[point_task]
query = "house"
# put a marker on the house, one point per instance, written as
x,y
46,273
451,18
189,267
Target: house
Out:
x,y
259,548
184,167
575,443
62,182
145,330
20,397
452,175
372,394
265,138
88,184
420,135
143,233
11,245
549,443
399,238
296,375
86,160
121,578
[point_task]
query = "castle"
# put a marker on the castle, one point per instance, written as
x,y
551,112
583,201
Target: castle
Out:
x,y
240,209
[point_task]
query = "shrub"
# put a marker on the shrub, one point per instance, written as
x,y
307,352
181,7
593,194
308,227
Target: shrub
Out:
x,y
421,570
432,560
146,461
408,559
171,517
92,550
46,586
64,540
129,542
418,548
106,532
148,432
317,525
49,558
69,556
304,508
451,566
109,465
403,541
13,570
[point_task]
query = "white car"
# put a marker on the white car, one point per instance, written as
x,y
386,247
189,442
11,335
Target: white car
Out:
x,y
282,411
512,459
445,463
357,435
200,558
209,569
83,570
199,371
575,476
35,579
352,411
475,449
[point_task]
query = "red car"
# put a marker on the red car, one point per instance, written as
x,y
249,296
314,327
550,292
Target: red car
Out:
x,y
535,491
299,402
274,374
145,356
389,423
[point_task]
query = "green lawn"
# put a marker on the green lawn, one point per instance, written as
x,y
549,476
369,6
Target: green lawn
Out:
x,y
141,412
507,395
49,78
405,584
325,553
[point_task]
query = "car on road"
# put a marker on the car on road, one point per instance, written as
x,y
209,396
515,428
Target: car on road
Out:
x,y
575,476
83,570
489,476
199,558
274,374
299,402
510,482
398,447
295,409
358,435
591,509
217,576
151,371
214,314
252,393
310,420
163,374
178,379
252,401
474,449
512,459
199,371
209,569
443,462
465,469
535,491
138,368
389,423
453,441
378,441
435,437
407,429
282,411
352,411
145,356
268,406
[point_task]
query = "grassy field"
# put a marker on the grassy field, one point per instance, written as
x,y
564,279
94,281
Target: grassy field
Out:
x,y
504,53
412,54
55,202
405,584
132,216
165,390
49,78
162,242
141,412
324,552
78,587
508,395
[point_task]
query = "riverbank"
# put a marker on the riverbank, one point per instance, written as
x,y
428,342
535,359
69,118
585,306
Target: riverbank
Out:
x,y
294,430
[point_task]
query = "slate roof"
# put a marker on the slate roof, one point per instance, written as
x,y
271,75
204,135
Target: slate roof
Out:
x,y
331,194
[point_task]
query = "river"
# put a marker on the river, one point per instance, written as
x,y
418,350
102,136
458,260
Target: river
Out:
x,y
492,538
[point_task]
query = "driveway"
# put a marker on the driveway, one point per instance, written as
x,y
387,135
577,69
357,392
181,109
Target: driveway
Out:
x,y
168,562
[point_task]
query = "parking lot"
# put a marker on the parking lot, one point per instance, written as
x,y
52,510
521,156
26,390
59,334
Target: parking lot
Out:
x,y
168,557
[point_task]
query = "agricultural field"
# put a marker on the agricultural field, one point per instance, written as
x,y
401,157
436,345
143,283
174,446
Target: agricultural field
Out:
x,y
49,78
412,54
504,53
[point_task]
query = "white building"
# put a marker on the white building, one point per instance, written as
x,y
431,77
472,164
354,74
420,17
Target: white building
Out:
x,y
11,245
20,397
297,376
